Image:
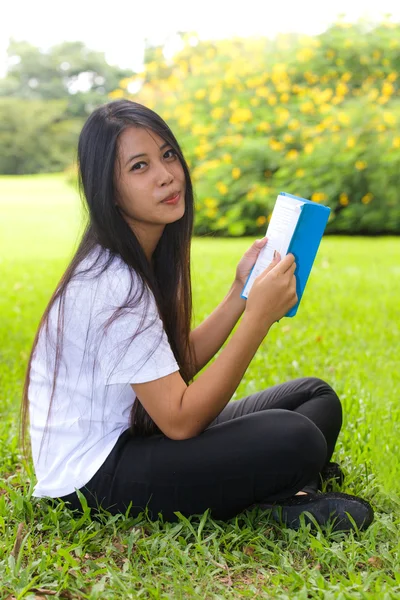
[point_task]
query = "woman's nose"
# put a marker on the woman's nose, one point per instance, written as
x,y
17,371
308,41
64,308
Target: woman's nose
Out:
x,y
164,176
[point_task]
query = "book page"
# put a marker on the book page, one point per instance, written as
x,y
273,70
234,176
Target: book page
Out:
x,y
283,222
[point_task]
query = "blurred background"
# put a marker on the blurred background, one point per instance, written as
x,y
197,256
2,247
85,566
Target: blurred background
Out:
x,y
262,97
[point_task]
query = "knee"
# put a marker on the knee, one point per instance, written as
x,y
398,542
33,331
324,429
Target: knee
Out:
x,y
332,403
304,441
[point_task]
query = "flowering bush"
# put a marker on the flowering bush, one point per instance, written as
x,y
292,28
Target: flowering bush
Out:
x,y
314,116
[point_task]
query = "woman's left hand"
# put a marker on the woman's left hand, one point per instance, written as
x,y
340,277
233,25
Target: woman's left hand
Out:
x,y
247,262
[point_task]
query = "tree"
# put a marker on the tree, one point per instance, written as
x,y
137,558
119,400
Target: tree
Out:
x,y
35,137
58,73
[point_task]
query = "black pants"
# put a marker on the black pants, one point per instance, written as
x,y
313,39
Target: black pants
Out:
x,y
262,448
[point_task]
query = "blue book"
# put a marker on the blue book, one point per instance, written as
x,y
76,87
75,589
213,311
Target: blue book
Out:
x,y
296,226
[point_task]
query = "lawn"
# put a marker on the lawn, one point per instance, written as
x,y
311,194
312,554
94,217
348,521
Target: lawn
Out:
x,y
346,331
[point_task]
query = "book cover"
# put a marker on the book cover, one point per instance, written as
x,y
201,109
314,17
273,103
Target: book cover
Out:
x,y
296,226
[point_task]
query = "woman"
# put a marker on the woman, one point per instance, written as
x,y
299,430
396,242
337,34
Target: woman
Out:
x,y
114,411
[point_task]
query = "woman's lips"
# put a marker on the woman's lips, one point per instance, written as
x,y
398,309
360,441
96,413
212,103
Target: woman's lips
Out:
x,y
173,200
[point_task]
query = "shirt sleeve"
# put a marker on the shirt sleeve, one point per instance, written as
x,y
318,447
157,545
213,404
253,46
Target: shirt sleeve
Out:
x,y
133,347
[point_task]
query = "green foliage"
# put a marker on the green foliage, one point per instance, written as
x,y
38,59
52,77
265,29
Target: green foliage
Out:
x,y
41,111
314,116
346,331
35,136
35,74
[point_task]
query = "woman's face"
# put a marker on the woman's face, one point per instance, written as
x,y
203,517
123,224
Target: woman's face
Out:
x,y
150,172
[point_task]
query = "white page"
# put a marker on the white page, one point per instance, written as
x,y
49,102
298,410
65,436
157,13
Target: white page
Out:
x,y
283,222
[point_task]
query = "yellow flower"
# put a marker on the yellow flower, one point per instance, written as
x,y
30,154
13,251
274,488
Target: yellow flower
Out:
x,y
310,77
125,82
222,188
392,77
305,54
387,88
282,115
240,115
210,202
227,158
307,107
211,212
293,124
272,100
361,165
343,118
396,142
261,220
250,195
325,107
318,197
285,97
202,150
373,94
217,112
341,89
222,221
215,95
389,118
292,154
263,126
300,173
367,198
308,148
263,92
200,94
254,101
116,94
151,66
185,119
236,173
275,144
343,199
351,142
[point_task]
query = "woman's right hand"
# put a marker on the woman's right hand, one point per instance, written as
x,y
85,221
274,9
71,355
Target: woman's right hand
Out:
x,y
273,292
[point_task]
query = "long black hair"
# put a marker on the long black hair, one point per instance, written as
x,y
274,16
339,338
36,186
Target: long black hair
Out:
x,y
169,278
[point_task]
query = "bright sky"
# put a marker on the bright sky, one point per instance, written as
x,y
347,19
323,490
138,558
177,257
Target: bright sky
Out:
x,y
120,27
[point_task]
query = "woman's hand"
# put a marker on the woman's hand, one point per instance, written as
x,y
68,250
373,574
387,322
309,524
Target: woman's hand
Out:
x,y
247,262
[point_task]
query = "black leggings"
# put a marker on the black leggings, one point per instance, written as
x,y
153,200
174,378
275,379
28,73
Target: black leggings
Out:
x,y
262,448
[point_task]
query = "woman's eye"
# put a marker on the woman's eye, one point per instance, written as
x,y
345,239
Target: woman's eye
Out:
x,y
172,153
168,154
136,166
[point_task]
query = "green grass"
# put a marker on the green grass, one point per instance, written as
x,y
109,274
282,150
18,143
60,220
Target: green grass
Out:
x,y
346,331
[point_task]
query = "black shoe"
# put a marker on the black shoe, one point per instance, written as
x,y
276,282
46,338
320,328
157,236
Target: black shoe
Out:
x,y
323,507
331,473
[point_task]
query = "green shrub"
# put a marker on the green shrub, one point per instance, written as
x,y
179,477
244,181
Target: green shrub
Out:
x,y
314,116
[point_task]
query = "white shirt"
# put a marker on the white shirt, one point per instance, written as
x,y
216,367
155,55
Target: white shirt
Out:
x,y
93,397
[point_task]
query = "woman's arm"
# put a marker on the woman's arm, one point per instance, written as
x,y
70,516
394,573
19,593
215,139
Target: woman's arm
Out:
x,y
209,336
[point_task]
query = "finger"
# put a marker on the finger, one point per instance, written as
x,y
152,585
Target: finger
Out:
x,y
260,243
285,264
272,264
